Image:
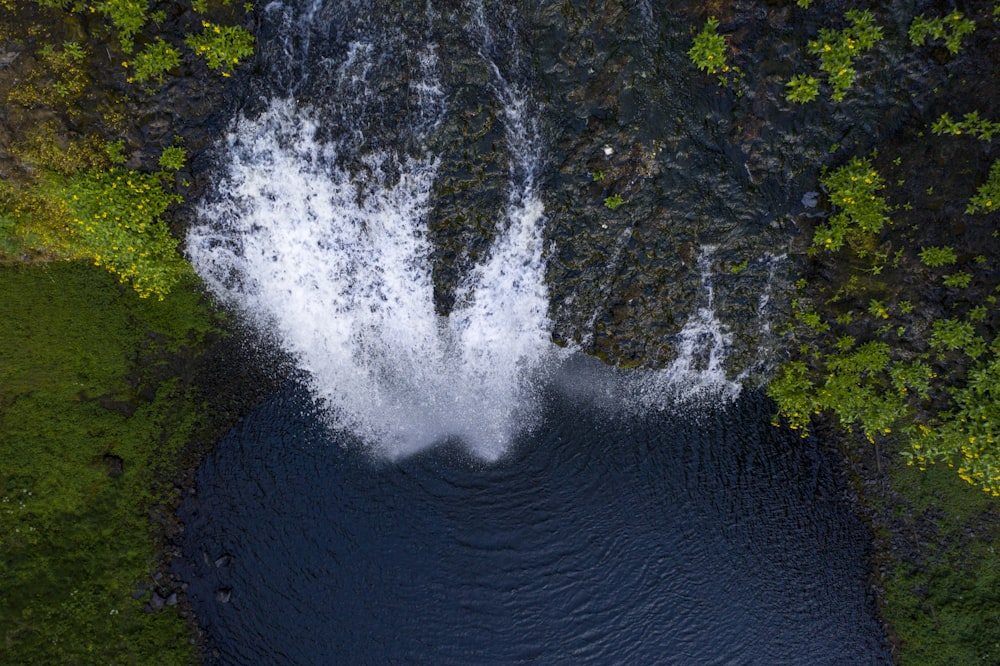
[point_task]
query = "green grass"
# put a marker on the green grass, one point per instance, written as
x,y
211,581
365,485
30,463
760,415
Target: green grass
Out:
x,y
88,370
943,599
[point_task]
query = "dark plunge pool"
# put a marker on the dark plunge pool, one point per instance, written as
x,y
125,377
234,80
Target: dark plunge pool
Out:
x,y
596,540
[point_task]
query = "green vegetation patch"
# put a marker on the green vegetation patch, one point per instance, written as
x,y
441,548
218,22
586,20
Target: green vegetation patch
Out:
x,y
854,189
839,49
943,592
951,28
92,416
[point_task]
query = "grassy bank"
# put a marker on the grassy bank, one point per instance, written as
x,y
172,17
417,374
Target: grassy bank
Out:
x,y
941,568
96,401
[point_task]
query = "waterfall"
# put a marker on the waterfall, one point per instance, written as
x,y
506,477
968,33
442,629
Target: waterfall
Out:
x,y
317,231
319,234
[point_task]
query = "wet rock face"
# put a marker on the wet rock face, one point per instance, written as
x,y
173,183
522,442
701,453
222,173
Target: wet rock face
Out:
x,y
695,164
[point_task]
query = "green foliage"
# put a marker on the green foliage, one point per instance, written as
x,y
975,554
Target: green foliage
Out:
x,y
802,88
934,257
877,309
75,540
852,386
708,52
154,61
116,151
127,16
613,202
987,197
959,279
222,46
838,50
972,124
951,29
173,158
804,4
853,188
953,334
113,219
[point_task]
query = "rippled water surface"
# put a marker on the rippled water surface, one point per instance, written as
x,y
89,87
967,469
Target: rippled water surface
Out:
x,y
596,540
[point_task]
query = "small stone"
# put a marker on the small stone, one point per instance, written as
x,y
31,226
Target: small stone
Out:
x,y
223,560
608,150
156,601
223,595
810,199
171,599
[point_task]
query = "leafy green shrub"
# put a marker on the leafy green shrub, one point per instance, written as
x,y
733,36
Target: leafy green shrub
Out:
x,y
708,52
173,158
853,188
116,151
987,197
222,46
155,60
959,279
114,220
951,29
838,49
972,124
613,202
968,436
953,334
127,16
934,257
802,88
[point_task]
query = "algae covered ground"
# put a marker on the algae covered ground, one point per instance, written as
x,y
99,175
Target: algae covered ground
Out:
x,y
95,405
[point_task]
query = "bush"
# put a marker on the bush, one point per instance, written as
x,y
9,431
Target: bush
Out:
x,y
155,60
987,197
972,124
708,52
222,46
934,257
802,88
951,29
127,16
113,219
838,49
854,189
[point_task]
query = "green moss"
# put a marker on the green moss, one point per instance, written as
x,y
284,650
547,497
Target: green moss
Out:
x,y
943,600
87,384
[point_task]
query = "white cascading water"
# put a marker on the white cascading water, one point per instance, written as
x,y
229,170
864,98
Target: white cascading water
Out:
x,y
698,372
335,260
337,264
